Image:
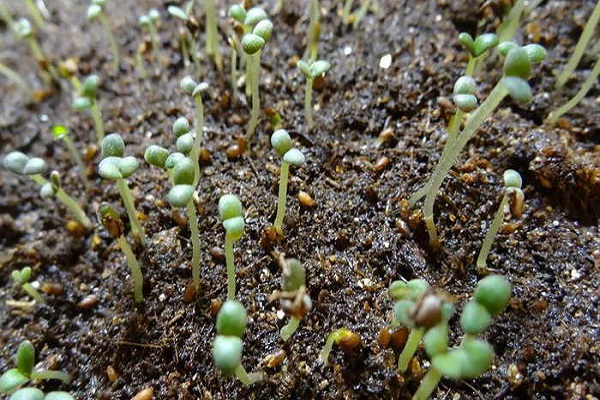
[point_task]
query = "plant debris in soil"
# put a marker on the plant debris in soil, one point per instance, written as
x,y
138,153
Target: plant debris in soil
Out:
x,y
379,134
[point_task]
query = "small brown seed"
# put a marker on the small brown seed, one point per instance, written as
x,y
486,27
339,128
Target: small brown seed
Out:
x,y
204,156
145,394
429,311
111,373
305,199
189,294
275,359
54,289
217,253
215,306
349,341
233,152
75,228
381,164
88,302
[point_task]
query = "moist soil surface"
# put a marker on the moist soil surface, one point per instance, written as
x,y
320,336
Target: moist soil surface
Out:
x,y
356,239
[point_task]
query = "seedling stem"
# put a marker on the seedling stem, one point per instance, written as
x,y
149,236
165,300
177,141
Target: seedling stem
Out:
x,y
111,40
282,197
136,228
134,266
412,343
195,235
428,384
288,330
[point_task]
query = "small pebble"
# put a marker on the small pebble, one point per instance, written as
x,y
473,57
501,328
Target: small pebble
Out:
x,y
145,394
275,359
88,302
386,61
112,374
381,164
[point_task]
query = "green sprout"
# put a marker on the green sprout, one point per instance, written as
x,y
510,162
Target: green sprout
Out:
x,y
354,18
86,100
182,195
112,222
227,347
346,339
96,11
234,44
118,168
60,132
35,13
473,356
33,167
506,30
25,31
37,394
313,32
282,143
12,379
295,300
419,308
22,277
189,86
584,38
187,40
149,21
463,96
517,68
212,34
230,211
512,187
252,43
311,71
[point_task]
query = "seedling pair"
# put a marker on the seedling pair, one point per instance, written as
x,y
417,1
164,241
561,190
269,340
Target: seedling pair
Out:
x,y
86,100
116,167
188,32
149,21
227,347
96,12
311,72
296,301
230,211
112,222
23,277
282,144
22,164
14,378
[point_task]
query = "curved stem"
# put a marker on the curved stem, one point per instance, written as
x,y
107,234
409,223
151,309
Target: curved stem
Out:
x,y
230,267
324,353
32,292
509,26
308,103
585,87
247,378
253,69
136,228
412,343
442,169
491,234
134,267
111,41
281,198
428,384
289,329
195,236
585,37
51,374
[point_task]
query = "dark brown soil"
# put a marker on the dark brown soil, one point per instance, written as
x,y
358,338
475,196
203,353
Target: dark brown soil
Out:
x,y
354,241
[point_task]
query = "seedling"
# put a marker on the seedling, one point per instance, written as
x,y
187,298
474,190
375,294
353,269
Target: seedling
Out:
x,y
112,222
517,68
282,143
22,164
252,43
473,356
234,45
118,168
313,32
512,187
12,379
295,300
87,101
22,277
35,13
150,21
227,347
189,86
355,18
24,30
187,40
182,195
212,34
60,132
311,71
96,12
230,211
37,394
344,338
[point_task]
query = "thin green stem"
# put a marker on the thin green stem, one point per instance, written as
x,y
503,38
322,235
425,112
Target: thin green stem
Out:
x,y
139,63
585,87
247,378
76,85
212,44
98,124
185,54
78,161
442,169
412,343
134,267
230,267
16,78
428,384
35,13
289,329
281,198
193,48
199,122
50,374
195,236
471,65
72,205
509,26
324,353
346,11
308,103
32,292
254,64
154,37
312,37
233,74
111,40
491,234
7,17
136,228
585,37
